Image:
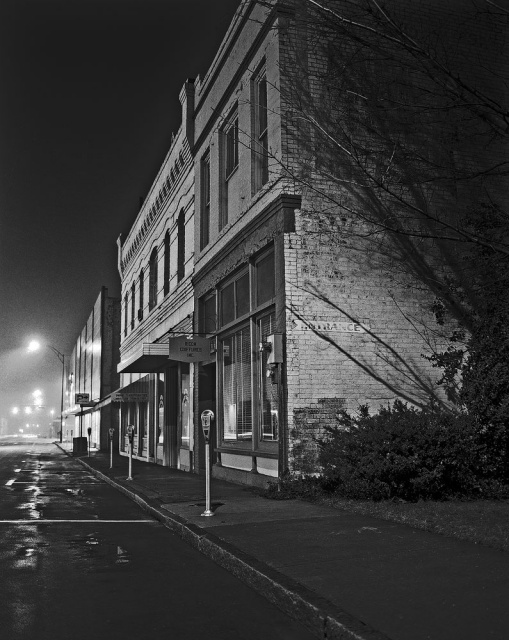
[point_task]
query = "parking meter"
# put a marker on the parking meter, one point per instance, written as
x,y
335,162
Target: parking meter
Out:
x,y
207,417
89,431
111,432
130,435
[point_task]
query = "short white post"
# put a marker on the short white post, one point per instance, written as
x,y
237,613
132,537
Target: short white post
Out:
x,y
130,477
208,511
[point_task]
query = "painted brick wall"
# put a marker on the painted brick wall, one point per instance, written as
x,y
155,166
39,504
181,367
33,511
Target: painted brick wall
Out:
x,y
336,273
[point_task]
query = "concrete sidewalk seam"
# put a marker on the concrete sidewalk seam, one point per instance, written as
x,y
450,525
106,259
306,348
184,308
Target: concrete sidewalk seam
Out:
x,y
320,616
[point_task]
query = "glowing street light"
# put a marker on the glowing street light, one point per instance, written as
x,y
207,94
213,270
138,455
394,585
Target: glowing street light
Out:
x,y
15,410
34,345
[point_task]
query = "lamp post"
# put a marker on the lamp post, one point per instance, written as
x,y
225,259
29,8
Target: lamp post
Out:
x,y
34,346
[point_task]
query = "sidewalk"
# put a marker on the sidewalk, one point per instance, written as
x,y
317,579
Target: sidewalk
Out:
x,y
342,575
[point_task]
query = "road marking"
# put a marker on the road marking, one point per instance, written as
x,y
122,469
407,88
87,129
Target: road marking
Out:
x,y
48,521
56,484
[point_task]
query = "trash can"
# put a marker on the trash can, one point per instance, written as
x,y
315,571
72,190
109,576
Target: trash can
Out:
x,y
79,446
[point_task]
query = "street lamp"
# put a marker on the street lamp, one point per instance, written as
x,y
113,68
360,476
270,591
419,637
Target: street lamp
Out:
x,y
35,346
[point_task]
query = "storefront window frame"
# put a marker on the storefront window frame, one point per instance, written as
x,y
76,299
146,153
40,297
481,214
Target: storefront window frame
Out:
x,y
256,444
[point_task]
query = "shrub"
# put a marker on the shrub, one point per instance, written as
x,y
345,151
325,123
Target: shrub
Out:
x,y
411,454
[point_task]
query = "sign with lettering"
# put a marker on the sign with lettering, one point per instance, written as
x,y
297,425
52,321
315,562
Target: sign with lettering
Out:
x,y
325,326
82,398
126,396
185,349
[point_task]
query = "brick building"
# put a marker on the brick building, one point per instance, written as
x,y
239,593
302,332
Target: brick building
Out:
x,y
301,314
155,263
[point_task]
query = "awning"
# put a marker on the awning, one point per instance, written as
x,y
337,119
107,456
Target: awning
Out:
x,y
146,359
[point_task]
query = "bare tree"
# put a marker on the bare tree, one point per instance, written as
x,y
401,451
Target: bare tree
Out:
x,y
402,121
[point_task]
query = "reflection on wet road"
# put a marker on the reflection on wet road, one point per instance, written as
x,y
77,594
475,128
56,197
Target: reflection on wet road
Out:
x,y
79,560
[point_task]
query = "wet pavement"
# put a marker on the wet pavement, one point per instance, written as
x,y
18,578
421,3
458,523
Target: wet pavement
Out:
x,y
343,575
78,560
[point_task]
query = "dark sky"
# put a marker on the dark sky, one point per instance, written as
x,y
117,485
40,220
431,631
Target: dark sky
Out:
x,y
88,102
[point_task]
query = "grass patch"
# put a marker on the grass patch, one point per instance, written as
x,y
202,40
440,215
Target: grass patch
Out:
x,y
483,522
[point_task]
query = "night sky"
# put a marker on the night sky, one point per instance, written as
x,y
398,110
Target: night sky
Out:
x,y
88,102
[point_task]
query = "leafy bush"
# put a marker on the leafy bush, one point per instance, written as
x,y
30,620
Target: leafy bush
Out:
x,y
411,454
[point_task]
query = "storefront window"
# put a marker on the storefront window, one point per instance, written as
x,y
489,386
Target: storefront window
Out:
x,y
236,383
185,410
208,314
267,385
265,280
160,408
235,299
249,396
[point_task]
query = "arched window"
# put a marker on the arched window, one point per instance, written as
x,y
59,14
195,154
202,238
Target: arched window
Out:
x,y
181,245
133,304
126,312
167,263
140,308
152,284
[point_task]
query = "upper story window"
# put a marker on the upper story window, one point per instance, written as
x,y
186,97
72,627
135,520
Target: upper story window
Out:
x,y
126,313
166,263
260,146
152,283
133,304
205,201
181,246
231,137
140,308
229,163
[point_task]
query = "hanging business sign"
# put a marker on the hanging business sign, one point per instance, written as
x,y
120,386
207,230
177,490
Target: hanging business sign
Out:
x,y
129,396
185,349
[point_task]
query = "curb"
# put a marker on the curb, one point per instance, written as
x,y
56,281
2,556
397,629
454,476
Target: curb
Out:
x,y
320,616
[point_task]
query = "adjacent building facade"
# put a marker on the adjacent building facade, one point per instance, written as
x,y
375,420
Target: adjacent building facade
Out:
x,y
155,263
92,370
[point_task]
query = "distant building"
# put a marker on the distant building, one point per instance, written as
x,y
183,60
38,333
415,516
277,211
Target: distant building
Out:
x,y
92,370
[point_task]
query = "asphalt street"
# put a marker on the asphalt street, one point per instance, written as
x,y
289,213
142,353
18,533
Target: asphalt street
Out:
x,y
79,560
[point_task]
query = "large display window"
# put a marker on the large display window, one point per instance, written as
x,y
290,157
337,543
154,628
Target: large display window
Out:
x,y
248,395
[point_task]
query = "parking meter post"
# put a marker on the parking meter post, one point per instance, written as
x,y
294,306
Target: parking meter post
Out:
x,y
112,431
207,418
89,431
130,435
